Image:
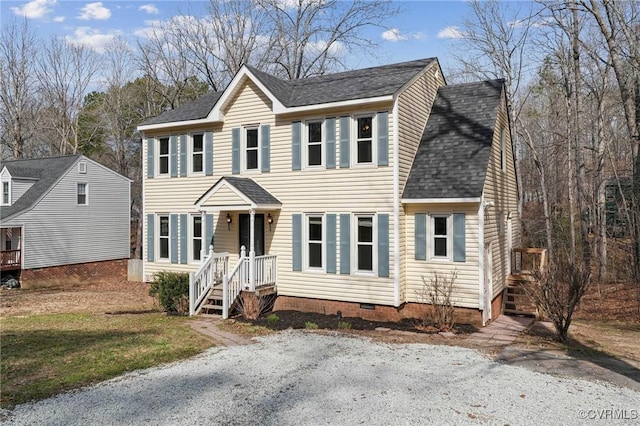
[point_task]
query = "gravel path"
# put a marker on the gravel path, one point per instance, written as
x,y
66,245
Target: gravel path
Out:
x,y
309,378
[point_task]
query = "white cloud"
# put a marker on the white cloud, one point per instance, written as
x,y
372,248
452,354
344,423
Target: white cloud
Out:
x,y
59,19
451,32
94,39
94,11
35,8
393,35
151,9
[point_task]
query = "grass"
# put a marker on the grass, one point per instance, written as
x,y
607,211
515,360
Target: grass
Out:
x,y
43,355
310,325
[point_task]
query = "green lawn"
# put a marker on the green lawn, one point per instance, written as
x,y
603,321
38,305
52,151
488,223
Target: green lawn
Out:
x,y
42,355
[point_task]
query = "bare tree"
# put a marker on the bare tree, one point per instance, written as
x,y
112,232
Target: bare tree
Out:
x,y
18,103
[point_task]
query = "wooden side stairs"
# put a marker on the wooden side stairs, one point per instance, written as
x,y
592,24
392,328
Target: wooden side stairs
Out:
x,y
515,300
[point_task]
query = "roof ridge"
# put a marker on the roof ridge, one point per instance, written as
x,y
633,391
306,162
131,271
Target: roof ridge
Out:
x,y
41,158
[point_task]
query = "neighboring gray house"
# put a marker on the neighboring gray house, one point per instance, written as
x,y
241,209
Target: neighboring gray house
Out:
x,y
62,211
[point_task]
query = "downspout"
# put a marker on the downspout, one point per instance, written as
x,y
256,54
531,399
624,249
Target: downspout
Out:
x,y
481,254
396,206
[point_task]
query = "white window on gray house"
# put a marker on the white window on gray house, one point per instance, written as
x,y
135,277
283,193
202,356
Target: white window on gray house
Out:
x,y
315,242
364,243
441,243
163,156
252,149
6,193
364,140
83,194
197,153
314,143
196,238
163,237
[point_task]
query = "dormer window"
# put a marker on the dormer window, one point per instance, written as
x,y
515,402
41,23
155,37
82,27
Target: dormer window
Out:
x,y
6,193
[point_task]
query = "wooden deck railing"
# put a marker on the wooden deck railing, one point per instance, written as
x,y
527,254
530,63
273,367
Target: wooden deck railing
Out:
x,y
10,259
526,260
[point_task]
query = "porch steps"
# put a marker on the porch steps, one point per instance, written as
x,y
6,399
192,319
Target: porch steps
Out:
x,y
516,302
213,303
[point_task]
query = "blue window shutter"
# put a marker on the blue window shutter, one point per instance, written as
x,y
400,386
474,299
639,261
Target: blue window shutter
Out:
x,y
173,155
420,236
345,136
183,155
183,238
174,238
296,130
459,249
208,232
331,243
383,138
383,245
330,126
150,237
297,242
265,133
150,158
345,244
235,150
208,153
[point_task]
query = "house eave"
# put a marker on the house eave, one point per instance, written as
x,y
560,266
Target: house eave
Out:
x,y
464,200
281,110
169,124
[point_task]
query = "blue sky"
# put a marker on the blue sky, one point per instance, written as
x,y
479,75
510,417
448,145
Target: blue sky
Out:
x,y
423,29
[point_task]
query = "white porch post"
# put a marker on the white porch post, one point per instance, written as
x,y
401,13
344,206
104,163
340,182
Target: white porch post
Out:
x,y
252,252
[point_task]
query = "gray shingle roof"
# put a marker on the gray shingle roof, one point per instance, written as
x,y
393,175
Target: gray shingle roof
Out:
x,y
194,110
452,159
46,172
249,188
344,86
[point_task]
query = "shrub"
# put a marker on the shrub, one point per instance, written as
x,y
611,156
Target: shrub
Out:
x,y
344,325
437,291
171,289
309,325
272,319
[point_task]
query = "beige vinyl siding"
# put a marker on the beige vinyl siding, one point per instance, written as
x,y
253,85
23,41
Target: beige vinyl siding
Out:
x,y
227,197
353,190
500,187
466,286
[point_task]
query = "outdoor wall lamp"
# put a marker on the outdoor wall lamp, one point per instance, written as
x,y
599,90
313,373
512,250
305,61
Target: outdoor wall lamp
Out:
x,y
229,221
269,220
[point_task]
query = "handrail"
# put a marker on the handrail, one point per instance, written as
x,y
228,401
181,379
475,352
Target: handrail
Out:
x,y
233,283
526,260
10,257
211,272
266,270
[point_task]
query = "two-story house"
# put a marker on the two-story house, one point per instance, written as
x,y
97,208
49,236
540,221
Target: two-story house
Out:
x,y
64,220
346,190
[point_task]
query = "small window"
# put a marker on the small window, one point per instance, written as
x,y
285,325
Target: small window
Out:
x,y
196,238
197,153
163,237
83,198
364,243
82,167
252,151
163,156
315,242
6,193
314,143
364,145
441,243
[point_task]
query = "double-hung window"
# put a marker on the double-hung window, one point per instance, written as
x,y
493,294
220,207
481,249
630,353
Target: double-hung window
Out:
x,y
251,148
163,156
364,141
441,236
197,153
314,143
364,243
6,193
163,237
82,194
315,242
196,238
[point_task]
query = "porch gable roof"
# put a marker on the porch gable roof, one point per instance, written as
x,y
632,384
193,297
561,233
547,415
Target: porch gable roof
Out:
x,y
235,193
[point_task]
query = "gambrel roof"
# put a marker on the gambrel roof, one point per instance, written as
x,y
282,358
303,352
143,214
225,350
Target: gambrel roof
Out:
x,y
366,83
453,156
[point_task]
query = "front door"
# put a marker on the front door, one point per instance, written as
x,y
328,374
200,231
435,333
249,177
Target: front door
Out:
x,y
245,233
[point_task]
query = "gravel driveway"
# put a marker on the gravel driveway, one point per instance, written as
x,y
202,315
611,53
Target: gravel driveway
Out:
x,y
309,378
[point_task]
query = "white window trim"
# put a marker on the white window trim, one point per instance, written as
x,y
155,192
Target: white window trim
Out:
x,y
82,167
243,149
191,237
190,153
158,227
9,197
157,157
86,193
305,248
431,236
354,140
323,145
354,244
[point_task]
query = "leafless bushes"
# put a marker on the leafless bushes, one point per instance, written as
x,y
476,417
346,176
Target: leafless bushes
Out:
x,y
437,291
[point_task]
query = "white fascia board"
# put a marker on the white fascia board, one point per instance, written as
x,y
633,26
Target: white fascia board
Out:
x,y
170,124
396,206
481,282
281,109
5,173
441,200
